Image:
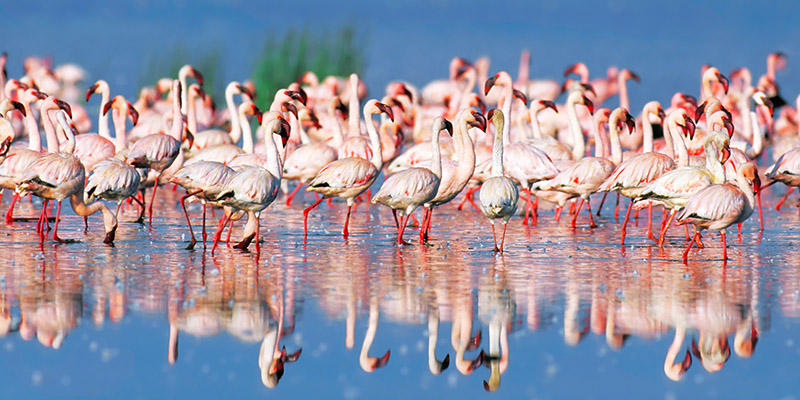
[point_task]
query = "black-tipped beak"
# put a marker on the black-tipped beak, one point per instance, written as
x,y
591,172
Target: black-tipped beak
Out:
x,y
518,94
386,109
449,127
110,236
19,107
90,91
488,85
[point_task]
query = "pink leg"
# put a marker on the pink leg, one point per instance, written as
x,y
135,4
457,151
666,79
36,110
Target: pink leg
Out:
x,y
578,211
294,192
724,245
346,231
503,238
218,234
230,230
664,229
494,236
603,201
691,242
650,223
396,222
152,200
58,218
625,222
305,215
204,226
616,208
188,221
783,199
591,218
258,245
557,216
10,213
760,214
404,222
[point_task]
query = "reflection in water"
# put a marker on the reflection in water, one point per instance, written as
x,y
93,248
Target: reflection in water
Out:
x,y
482,299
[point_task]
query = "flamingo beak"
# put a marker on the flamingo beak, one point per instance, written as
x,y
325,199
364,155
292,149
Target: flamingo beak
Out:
x,y
489,84
445,363
589,105
19,107
39,95
449,127
64,106
698,112
299,95
244,90
549,104
286,130
588,88
689,126
110,236
480,121
724,81
757,188
197,75
728,126
631,124
380,362
90,91
477,362
259,115
480,104
633,76
289,107
689,99
5,146
768,103
518,94
133,113
725,154
661,114
386,109
108,106
571,69
490,114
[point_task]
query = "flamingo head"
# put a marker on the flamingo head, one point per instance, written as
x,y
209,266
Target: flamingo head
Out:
x,y
18,106
299,95
723,81
746,348
489,84
713,354
246,91
400,89
382,108
196,90
778,59
379,362
290,108
676,372
628,74
285,130
273,374
110,235
519,95
628,120
750,172
188,70
448,126
163,86
545,104
477,121
588,103
688,125
579,69
64,106
761,99
458,66
4,146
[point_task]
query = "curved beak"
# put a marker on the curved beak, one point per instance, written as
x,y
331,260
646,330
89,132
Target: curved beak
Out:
x,y
698,112
5,146
689,126
548,104
724,154
19,107
756,189
289,107
518,94
386,109
108,106
631,123
109,239
449,127
64,106
633,75
197,75
90,91
724,81
489,84
480,121
286,130
299,95
588,103
380,362
661,114
133,113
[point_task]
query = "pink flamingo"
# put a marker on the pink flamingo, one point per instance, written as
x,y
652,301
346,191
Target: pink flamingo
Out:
x,y
203,180
586,175
252,189
159,151
308,159
92,148
350,176
498,194
414,187
57,176
719,206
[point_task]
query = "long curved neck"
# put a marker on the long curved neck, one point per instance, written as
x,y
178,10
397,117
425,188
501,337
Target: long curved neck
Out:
x,y
336,128
32,127
712,161
191,116
622,84
236,130
247,135
177,117
353,120
465,151
273,158
679,143
184,94
497,152
297,124
536,129
647,132
372,329
672,353
758,135
121,141
578,145
745,187
436,156
616,148
524,68
599,140
471,77
507,99
50,130
375,141
433,335
70,147
102,120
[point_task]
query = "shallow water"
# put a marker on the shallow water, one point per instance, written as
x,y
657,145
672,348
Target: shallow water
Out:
x,y
563,313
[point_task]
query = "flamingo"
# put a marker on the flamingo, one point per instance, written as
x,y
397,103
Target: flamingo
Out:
x,y
414,187
306,160
498,195
719,206
586,175
57,176
18,163
91,148
675,187
252,189
203,180
369,363
350,176
456,174
631,176
213,137
158,151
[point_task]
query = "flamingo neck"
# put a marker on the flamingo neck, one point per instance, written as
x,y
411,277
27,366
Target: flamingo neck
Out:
x,y
507,99
647,131
32,127
297,124
102,119
236,130
679,143
497,150
616,147
50,130
465,151
354,130
273,158
524,68
622,83
745,187
177,116
471,78
191,117
713,163
578,144
433,335
436,156
758,135
184,93
375,141
536,129
599,139
247,135
372,329
121,140
674,349
336,128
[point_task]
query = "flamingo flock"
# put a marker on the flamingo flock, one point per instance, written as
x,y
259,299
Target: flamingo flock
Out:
x,y
703,171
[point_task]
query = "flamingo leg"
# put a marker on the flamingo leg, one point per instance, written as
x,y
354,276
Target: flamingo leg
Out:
x,y
258,225
230,230
153,199
10,213
625,221
140,220
578,211
760,214
591,218
396,222
503,238
616,208
204,226
416,221
603,201
426,225
689,247
294,192
119,206
218,234
557,216
468,197
188,221
346,231
58,218
777,206
402,230
664,229
650,223
724,246
305,215
494,236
